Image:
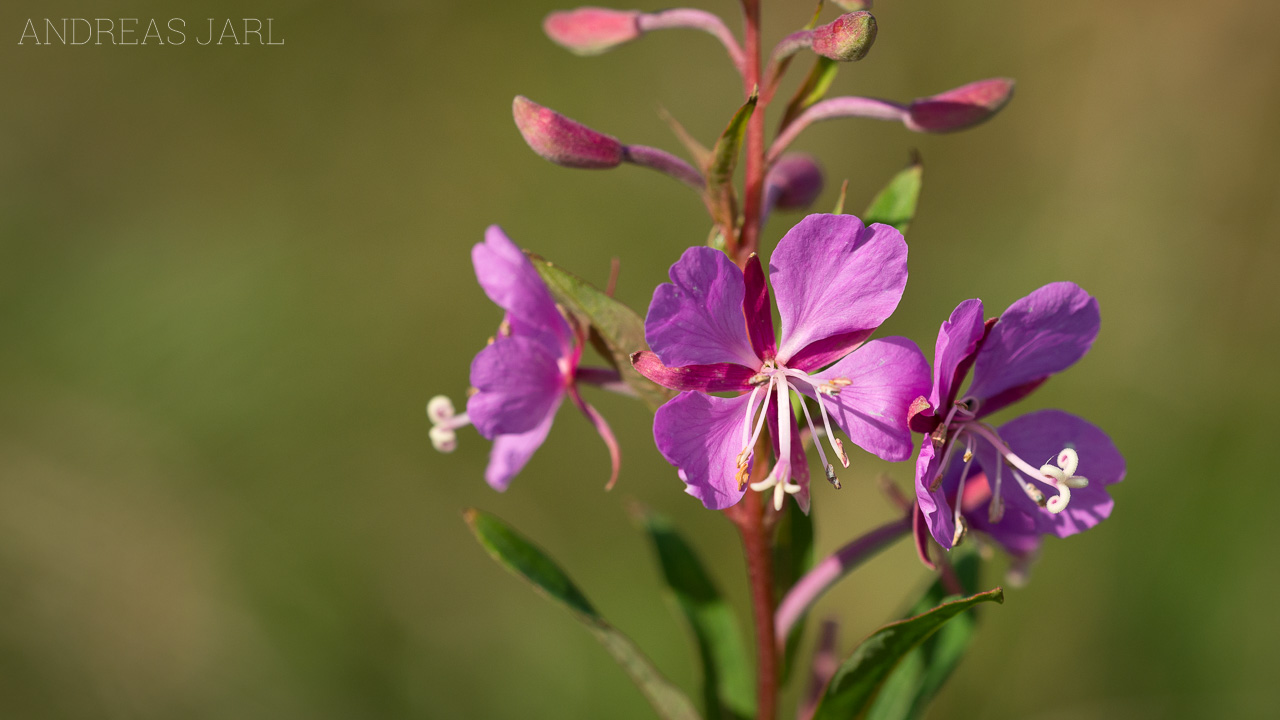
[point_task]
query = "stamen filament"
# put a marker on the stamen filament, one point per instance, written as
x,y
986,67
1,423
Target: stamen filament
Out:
x,y
826,466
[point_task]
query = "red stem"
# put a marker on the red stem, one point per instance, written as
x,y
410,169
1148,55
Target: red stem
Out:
x,y
753,190
755,525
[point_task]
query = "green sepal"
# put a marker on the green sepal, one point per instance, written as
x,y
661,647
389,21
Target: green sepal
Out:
x,y
615,325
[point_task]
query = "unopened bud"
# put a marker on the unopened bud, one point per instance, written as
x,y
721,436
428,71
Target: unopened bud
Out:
x,y
847,38
961,108
564,141
794,182
592,30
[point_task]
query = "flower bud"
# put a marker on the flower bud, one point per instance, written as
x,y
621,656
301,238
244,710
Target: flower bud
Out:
x,y
847,38
960,108
563,141
797,181
592,30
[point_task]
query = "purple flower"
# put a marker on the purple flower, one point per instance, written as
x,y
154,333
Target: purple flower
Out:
x,y
522,376
969,474
711,330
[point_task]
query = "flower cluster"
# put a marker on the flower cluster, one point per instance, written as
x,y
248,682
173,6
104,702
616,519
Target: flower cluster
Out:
x,y
747,400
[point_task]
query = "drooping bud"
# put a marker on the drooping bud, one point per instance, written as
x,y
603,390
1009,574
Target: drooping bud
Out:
x,y
848,38
564,141
592,30
960,108
794,182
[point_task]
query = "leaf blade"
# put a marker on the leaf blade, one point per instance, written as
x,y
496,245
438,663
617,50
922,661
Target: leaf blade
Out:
x,y
855,685
724,160
896,204
728,690
524,559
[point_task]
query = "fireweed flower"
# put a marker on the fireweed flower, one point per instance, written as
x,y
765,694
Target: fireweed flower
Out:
x,y
1039,474
519,380
711,331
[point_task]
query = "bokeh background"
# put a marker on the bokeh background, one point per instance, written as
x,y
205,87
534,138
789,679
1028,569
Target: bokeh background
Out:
x,y
230,279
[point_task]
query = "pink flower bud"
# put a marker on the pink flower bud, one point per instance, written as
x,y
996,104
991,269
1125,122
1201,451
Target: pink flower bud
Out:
x,y
794,182
961,108
563,141
847,38
592,30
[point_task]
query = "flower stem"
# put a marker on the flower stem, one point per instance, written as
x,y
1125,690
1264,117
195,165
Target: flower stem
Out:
x,y
753,187
751,518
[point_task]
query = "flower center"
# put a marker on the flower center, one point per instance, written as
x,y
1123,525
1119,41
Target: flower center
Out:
x,y
444,423
775,377
961,426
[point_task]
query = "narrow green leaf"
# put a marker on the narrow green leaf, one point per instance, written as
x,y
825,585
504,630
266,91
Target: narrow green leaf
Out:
x,y
521,557
896,203
701,155
915,682
844,192
728,688
724,160
855,685
614,324
815,85
792,558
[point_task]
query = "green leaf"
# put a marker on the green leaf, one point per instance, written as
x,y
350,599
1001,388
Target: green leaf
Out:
x,y
521,557
815,85
908,691
854,687
616,325
728,688
792,558
896,203
724,160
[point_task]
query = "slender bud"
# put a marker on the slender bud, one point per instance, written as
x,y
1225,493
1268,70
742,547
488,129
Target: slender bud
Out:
x,y
794,182
592,30
564,141
848,38
960,108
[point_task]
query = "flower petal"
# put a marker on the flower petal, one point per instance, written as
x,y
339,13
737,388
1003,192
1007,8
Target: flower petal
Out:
x,y
1041,334
885,376
510,453
724,377
512,283
702,436
832,276
519,383
1043,434
957,339
936,510
757,310
696,319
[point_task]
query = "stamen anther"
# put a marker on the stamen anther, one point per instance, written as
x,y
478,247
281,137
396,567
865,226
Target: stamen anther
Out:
x,y
831,477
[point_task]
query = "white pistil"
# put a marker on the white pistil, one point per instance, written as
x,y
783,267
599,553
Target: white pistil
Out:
x,y
444,423
1064,478
831,388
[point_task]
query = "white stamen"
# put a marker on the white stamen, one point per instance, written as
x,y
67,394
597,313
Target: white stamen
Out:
x,y
964,474
995,510
836,445
748,447
817,443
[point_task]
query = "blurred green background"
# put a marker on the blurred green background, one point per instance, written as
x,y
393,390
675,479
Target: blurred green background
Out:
x,y
231,277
